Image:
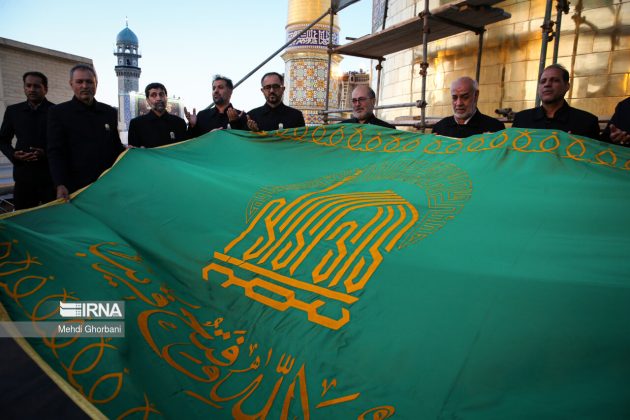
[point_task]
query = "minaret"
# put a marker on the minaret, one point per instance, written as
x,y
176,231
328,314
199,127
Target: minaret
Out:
x,y
128,72
306,60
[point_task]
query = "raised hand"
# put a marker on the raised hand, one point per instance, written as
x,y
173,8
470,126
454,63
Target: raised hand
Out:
x,y
251,124
192,118
233,115
618,136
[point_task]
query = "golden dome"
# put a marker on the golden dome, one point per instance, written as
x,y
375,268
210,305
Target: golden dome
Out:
x,y
306,11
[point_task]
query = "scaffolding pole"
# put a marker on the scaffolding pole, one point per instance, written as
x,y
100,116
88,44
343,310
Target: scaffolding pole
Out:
x,y
562,7
478,73
417,104
547,28
379,67
424,65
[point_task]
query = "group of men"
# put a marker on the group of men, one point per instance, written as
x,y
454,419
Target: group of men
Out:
x,y
159,128
554,112
63,148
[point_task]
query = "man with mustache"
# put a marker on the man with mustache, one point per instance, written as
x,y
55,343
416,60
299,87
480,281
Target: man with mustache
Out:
x,y
83,139
467,120
27,122
157,127
274,114
363,102
221,115
555,112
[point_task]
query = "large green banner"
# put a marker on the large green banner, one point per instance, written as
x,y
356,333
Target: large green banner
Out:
x,y
339,272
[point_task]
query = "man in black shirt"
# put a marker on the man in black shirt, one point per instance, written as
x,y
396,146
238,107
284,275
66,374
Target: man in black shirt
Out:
x,y
221,115
555,112
618,129
467,120
27,122
157,127
83,138
363,102
274,114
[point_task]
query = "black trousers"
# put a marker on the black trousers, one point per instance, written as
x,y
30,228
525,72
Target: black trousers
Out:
x,y
33,186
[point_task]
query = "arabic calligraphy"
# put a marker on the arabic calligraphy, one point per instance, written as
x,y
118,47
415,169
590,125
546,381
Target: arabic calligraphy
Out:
x,y
316,250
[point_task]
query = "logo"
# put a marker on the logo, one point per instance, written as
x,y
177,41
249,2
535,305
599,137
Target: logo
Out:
x,y
313,247
95,310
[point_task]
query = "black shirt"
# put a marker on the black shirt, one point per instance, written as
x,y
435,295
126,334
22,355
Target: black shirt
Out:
x,y
372,120
209,119
269,118
620,119
33,183
478,124
83,142
566,118
151,130
28,125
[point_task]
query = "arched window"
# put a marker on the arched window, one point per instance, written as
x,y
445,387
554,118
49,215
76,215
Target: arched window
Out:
x,y
127,61
127,50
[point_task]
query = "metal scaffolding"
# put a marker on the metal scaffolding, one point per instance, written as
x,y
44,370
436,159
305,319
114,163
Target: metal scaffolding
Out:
x,y
446,20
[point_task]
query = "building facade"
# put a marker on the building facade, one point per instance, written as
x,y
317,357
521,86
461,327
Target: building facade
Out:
x,y
16,58
594,46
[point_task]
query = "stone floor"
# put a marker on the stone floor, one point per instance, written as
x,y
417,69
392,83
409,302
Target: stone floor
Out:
x,y
26,392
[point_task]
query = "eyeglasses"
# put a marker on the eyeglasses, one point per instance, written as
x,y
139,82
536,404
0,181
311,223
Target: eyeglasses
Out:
x,y
361,99
270,87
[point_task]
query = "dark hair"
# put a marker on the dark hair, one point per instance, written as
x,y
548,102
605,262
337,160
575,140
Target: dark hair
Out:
x,y
83,66
227,81
565,72
371,92
42,76
154,85
272,73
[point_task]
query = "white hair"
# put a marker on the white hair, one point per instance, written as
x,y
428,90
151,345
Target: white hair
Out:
x,y
473,82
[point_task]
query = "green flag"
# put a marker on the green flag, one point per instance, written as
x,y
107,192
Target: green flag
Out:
x,y
337,272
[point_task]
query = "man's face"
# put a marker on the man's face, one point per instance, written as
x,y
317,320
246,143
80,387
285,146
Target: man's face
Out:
x,y
34,89
273,90
221,93
362,104
157,100
551,86
83,84
464,98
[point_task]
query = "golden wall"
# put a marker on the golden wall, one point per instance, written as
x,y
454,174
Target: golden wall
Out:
x,y
594,47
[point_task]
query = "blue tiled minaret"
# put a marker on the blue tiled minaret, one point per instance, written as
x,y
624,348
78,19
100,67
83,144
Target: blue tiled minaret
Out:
x,y
128,73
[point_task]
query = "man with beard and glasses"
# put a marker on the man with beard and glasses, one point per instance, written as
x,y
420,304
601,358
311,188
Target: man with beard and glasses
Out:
x,y
466,120
555,112
83,139
157,127
221,115
363,102
27,122
274,114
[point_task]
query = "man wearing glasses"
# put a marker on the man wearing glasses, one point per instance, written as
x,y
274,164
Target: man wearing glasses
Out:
x,y
274,114
363,101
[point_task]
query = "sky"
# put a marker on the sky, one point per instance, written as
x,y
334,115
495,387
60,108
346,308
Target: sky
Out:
x,y
182,43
